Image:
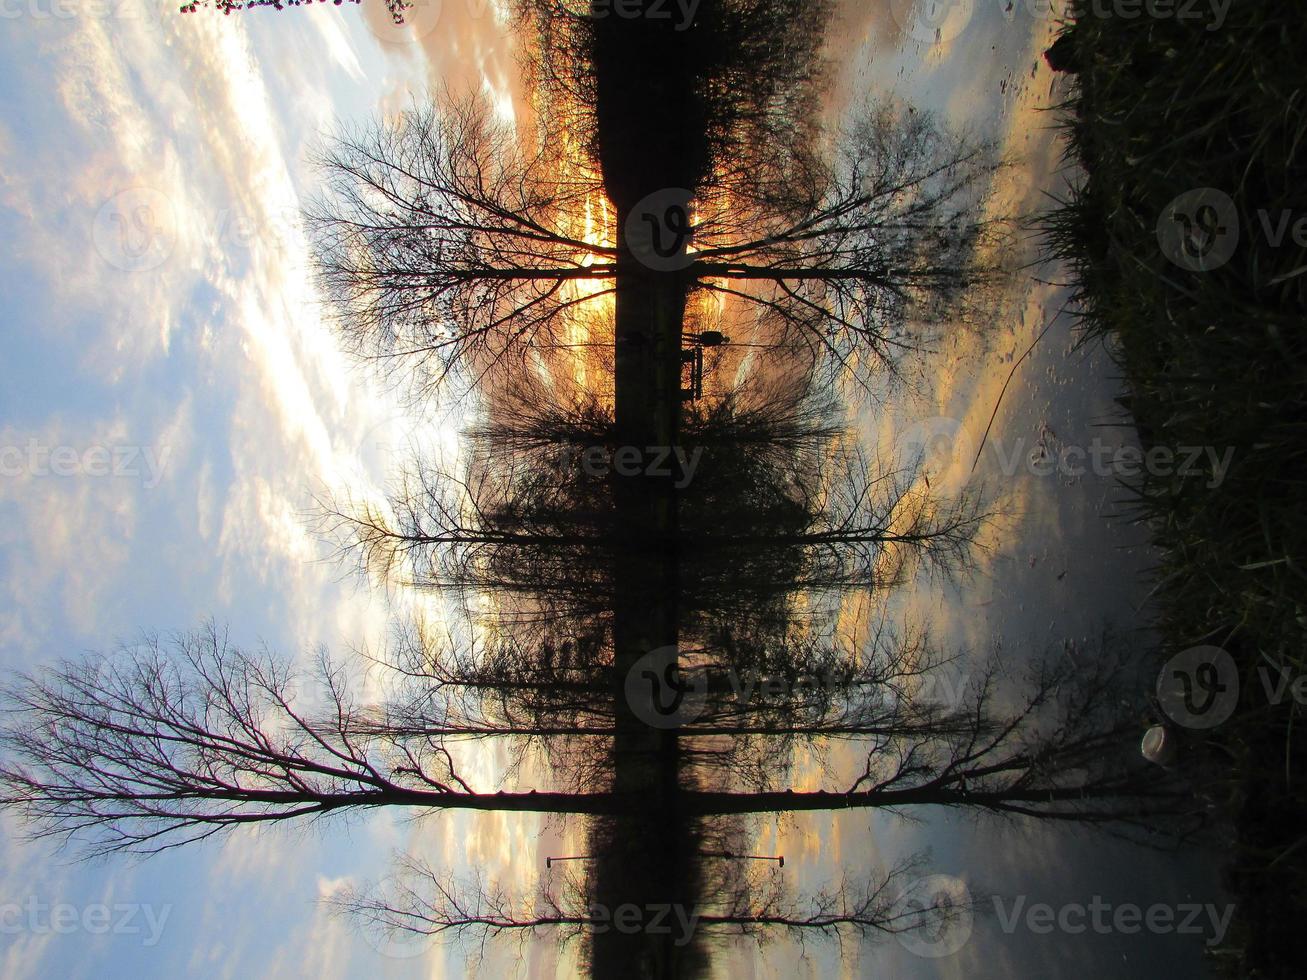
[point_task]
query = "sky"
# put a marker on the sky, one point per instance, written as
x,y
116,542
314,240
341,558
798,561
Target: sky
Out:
x,y
158,305
171,399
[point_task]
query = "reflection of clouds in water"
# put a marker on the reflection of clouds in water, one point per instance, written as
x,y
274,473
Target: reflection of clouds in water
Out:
x,y
1046,536
467,46
173,308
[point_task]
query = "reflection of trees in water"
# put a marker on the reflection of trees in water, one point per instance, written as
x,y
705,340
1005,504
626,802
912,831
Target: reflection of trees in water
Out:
x,y
452,245
778,502
658,899
162,746
453,251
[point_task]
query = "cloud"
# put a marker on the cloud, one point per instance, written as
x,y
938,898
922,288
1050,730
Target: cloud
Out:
x,y
166,281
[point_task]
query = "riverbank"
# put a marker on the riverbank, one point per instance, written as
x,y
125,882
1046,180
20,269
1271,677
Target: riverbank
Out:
x,y
1187,240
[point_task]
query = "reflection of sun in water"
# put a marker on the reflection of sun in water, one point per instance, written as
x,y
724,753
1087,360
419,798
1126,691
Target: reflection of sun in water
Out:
x,y
573,353
592,321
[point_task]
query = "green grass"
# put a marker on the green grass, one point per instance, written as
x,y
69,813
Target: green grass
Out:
x,y
1218,359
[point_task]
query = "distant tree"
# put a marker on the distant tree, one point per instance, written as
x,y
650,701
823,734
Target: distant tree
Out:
x,y
758,522
420,899
395,8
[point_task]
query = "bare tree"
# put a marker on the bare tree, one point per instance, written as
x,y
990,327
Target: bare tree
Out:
x,y
396,8
733,99
165,744
776,501
446,242
153,748
888,242
761,697
418,898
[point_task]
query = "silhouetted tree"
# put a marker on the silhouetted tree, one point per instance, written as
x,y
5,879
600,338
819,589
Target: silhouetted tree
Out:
x,y
395,8
157,747
418,898
445,242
